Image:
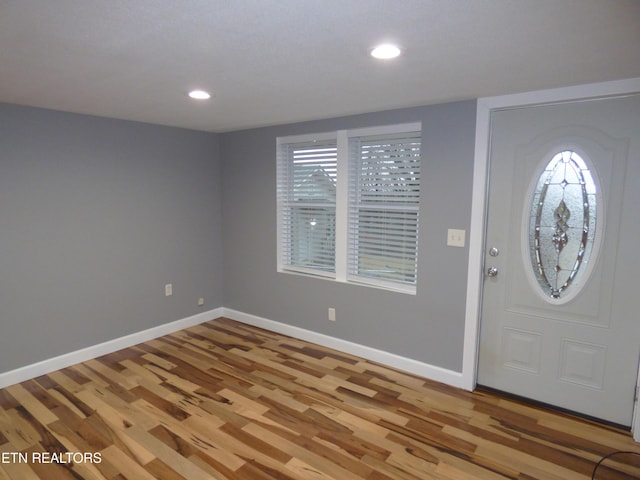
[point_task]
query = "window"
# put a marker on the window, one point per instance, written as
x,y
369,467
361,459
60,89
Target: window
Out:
x,y
348,205
562,225
307,195
383,207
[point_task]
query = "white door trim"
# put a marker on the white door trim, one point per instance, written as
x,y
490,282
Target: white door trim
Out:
x,y
479,200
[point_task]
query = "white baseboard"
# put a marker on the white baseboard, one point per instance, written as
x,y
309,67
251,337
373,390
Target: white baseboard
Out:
x,y
47,366
432,372
426,370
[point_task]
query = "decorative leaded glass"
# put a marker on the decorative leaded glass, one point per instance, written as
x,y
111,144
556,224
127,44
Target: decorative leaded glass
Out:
x,y
562,223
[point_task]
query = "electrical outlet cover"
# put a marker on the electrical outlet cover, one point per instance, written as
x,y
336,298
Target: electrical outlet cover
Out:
x,y
455,238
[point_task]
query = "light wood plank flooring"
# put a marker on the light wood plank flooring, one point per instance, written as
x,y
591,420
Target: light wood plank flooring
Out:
x,y
227,401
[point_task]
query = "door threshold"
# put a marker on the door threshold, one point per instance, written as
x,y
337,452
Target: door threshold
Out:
x,y
550,407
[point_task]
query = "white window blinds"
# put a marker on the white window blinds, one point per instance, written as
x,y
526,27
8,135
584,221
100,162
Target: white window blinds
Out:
x,y
348,205
307,205
384,196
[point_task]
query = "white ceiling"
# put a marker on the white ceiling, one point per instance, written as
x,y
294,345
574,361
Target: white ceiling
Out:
x,y
269,62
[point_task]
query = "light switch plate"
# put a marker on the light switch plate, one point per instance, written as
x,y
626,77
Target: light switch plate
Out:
x,y
455,238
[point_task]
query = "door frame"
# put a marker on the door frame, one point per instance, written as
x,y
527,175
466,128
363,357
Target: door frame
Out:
x,y
475,273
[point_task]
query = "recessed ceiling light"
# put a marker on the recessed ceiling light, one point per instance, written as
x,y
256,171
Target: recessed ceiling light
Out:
x,y
199,94
385,51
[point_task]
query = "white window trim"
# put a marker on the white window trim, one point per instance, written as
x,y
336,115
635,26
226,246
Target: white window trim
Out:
x,y
342,207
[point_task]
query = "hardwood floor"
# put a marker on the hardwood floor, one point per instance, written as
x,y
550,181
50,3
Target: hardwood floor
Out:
x,y
227,401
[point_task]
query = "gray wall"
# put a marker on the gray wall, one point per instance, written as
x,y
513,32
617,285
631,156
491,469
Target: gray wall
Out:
x,y
428,326
96,215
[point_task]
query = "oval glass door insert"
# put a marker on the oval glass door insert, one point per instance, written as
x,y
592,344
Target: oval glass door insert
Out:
x,y
562,225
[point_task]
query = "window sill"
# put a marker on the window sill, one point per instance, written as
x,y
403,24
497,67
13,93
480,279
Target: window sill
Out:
x,y
356,281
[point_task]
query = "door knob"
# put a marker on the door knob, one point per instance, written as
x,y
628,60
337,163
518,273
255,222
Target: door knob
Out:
x,y
492,272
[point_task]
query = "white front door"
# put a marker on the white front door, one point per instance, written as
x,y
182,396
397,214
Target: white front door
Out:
x,y
561,297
